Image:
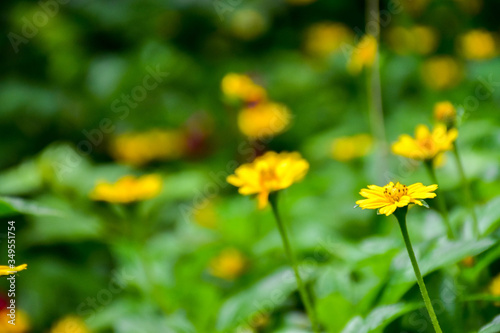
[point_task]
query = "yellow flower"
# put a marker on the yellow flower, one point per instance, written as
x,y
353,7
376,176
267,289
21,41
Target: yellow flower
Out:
x,y
419,39
322,39
350,147
495,288
22,324
471,7
240,86
468,261
70,324
268,173
248,24
6,270
204,214
392,196
441,72
426,145
264,120
228,265
445,112
478,45
364,55
141,148
128,189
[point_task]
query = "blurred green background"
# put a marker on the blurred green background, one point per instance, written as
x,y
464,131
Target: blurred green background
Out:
x,y
76,75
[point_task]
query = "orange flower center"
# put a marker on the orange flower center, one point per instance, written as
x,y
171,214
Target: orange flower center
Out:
x,y
396,192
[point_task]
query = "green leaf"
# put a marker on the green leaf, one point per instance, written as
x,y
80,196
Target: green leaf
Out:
x,y
379,318
13,206
489,216
492,327
265,296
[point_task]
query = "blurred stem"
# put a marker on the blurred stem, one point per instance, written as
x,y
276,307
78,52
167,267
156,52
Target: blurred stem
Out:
x,y
400,214
374,90
304,295
467,192
440,199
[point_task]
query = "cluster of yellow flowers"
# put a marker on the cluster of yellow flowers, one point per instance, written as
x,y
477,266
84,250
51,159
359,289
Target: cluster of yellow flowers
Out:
x,y
128,189
325,38
417,39
141,148
260,118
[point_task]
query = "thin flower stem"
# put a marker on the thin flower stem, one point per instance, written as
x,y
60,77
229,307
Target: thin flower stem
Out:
x,y
440,200
374,91
304,295
401,216
467,192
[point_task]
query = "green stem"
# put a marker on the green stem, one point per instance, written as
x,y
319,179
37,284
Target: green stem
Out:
x,y
467,192
440,199
304,295
401,216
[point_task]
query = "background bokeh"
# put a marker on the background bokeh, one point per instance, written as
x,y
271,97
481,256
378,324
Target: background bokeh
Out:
x,y
79,76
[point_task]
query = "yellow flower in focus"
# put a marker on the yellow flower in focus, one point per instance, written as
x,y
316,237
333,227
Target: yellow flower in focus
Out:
x,y
240,86
70,324
350,147
128,189
441,72
141,148
445,112
204,214
364,54
322,39
269,173
478,45
495,288
264,120
392,196
228,265
6,270
426,145
22,324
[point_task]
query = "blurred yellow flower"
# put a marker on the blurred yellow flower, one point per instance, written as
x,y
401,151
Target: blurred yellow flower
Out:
x,y
441,72
470,6
445,112
128,189
478,45
426,145
269,173
240,86
350,147
363,55
322,39
70,324
228,265
495,288
248,24
468,261
418,39
141,148
22,324
264,120
6,270
204,214
392,196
